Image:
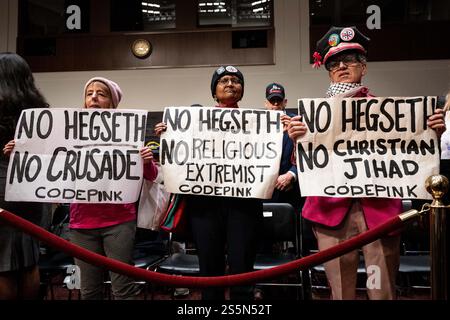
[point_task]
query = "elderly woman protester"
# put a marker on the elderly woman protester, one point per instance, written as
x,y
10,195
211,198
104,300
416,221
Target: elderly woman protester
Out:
x,y
343,51
107,229
224,223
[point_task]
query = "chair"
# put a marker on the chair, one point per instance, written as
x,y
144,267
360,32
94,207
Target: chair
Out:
x,y
280,243
53,264
149,248
148,251
179,263
56,267
176,262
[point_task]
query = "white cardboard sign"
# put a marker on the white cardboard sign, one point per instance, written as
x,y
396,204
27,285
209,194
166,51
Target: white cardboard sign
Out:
x,y
221,151
367,147
77,155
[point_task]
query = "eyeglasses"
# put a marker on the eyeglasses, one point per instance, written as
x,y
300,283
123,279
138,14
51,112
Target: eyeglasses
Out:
x,y
347,61
225,81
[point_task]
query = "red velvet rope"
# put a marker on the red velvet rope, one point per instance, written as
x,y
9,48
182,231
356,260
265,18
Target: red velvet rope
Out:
x,y
238,279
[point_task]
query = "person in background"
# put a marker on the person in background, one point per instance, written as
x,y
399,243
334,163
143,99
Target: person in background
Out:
x,y
445,144
343,51
107,229
286,188
224,225
19,252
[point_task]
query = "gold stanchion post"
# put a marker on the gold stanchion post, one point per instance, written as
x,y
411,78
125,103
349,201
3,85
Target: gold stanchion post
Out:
x,y
437,186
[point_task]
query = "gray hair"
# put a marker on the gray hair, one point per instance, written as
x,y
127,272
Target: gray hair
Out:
x,y
361,57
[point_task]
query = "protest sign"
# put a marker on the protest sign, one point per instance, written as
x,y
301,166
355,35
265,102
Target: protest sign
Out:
x,y
77,155
367,147
221,151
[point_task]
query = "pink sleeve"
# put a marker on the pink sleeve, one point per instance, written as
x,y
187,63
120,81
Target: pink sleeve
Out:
x,y
150,171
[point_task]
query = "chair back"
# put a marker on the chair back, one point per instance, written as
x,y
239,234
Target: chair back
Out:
x,y
415,235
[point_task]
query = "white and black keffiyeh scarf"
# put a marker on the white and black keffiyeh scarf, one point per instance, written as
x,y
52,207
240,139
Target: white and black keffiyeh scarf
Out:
x,y
339,88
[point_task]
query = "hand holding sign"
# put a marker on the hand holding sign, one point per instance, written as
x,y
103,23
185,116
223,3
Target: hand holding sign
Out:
x,y
436,121
296,128
160,128
146,155
8,148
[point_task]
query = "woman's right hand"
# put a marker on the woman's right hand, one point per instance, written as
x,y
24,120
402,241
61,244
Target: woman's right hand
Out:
x,y
8,148
160,128
296,128
285,119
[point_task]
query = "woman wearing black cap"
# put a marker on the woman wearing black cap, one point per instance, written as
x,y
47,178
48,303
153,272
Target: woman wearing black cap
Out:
x,y
219,222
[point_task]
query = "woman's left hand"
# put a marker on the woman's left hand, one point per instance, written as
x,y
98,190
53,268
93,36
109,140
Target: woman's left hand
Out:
x,y
436,121
146,155
8,148
160,128
285,182
285,119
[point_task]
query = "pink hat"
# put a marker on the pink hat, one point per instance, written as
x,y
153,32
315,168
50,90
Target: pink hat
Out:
x,y
344,46
116,92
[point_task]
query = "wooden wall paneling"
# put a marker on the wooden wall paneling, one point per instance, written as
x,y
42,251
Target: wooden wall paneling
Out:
x,y
100,16
88,56
186,46
66,52
181,49
425,43
186,13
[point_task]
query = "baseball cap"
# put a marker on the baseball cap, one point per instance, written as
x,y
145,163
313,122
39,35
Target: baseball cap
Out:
x,y
275,90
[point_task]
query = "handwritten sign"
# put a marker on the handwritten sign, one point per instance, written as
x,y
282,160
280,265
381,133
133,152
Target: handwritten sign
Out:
x,y
221,151
77,155
367,147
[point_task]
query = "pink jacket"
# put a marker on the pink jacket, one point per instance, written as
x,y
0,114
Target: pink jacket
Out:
x,y
330,211
101,215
